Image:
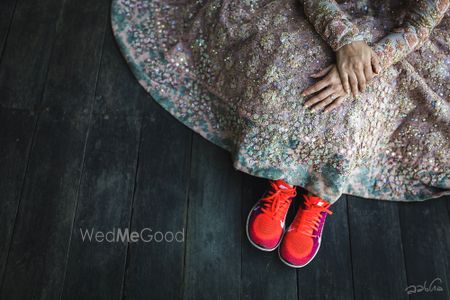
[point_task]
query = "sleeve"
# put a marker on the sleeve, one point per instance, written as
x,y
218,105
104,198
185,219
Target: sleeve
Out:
x,y
419,21
331,23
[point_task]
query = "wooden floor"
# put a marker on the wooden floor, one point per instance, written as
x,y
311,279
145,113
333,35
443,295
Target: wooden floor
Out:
x,y
82,147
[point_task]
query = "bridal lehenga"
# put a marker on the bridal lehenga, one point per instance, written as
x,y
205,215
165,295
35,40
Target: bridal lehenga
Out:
x,y
233,71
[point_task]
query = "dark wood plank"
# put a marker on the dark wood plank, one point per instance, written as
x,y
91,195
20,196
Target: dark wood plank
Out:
x,y
263,276
329,275
155,268
448,204
24,63
16,130
213,252
38,250
108,181
377,254
39,246
75,62
119,93
6,15
425,230
95,267
447,199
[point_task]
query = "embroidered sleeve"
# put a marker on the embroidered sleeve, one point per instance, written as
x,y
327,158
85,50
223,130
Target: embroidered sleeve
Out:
x,y
331,23
420,19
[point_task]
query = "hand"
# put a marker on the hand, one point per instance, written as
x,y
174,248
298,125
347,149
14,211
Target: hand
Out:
x,y
330,92
357,64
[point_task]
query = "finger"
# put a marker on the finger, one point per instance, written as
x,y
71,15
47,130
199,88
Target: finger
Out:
x,y
319,97
336,103
368,73
353,83
316,87
322,72
376,65
361,79
344,80
324,103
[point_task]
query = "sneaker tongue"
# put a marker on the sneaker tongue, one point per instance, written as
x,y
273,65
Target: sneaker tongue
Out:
x,y
283,185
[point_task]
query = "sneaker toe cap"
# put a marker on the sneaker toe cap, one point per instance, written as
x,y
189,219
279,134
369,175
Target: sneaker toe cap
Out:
x,y
264,232
298,252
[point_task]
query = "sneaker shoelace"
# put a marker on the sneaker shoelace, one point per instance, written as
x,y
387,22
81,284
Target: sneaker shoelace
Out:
x,y
311,216
278,199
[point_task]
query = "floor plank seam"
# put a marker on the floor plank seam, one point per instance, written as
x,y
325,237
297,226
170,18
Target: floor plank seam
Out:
x,y
30,149
242,242
5,41
242,236
83,160
350,244
131,210
188,200
405,265
32,143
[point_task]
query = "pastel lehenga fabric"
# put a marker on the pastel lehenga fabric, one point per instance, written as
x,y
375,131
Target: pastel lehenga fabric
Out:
x,y
233,70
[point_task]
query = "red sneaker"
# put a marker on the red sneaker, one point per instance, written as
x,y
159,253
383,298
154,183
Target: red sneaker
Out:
x,y
302,240
265,222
